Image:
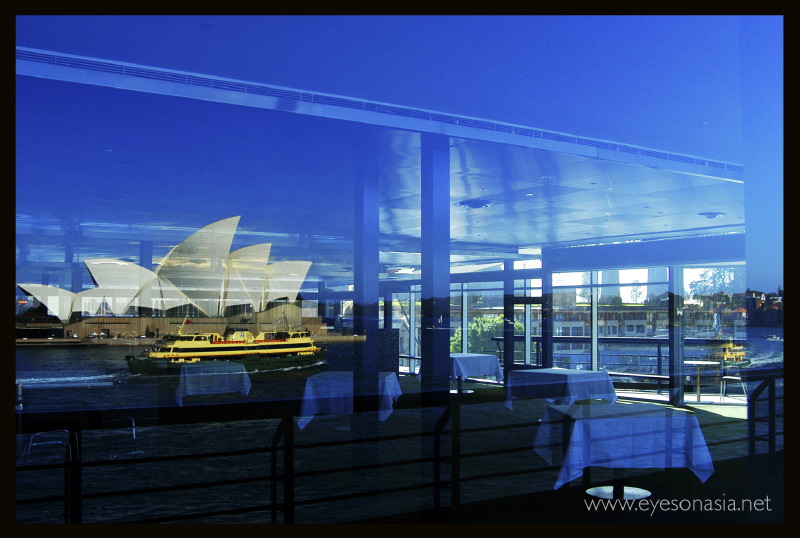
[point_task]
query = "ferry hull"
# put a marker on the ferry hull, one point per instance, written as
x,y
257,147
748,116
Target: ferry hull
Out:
x,y
252,363
273,350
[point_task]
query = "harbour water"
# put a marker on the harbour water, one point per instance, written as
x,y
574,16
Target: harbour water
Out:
x,y
97,377
104,366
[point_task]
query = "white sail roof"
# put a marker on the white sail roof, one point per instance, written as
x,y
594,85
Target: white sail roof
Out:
x,y
200,271
118,281
96,301
58,301
247,273
285,278
160,294
198,265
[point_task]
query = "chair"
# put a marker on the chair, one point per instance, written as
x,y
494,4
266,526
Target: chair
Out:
x,y
726,378
122,438
54,443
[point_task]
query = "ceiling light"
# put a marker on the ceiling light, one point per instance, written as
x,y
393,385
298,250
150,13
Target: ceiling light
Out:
x,y
475,204
400,270
711,214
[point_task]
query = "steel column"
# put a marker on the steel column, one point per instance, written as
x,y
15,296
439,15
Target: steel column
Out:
x,y
435,279
366,270
508,318
547,308
676,336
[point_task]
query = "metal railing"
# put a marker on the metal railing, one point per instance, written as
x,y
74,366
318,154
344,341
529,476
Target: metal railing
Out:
x,y
767,391
282,450
445,457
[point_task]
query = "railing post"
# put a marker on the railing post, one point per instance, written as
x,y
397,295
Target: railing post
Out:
x,y
772,425
73,510
437,457
285,433
455,450
288,471
766,385
659,368
274,472
751,422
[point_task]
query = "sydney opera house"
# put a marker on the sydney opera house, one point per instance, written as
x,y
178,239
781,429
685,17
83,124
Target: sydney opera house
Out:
x,y
201,276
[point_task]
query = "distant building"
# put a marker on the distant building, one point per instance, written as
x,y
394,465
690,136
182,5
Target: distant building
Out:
x,y
764,309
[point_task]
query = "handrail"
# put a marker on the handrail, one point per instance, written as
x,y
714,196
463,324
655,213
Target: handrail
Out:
x,y
282,445
624,339
77,421
95,419
766,378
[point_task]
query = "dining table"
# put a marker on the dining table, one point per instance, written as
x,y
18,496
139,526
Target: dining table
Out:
x,y
562,385
699,364
212,377
331,392
621,436
474,365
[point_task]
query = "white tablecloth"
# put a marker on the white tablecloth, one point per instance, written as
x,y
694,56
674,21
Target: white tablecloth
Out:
x,y
635,436
560,384
212,377
332,392
476,365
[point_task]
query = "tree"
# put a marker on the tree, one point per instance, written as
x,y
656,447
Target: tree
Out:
x,y
636,292
480,332
616,300
715,280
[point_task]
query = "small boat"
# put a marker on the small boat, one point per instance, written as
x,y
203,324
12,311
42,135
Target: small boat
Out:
x,y
728,352
663,332
773,338
266,350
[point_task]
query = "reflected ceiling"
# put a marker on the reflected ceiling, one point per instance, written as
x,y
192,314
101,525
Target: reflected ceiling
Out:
x,y
289,173
506,197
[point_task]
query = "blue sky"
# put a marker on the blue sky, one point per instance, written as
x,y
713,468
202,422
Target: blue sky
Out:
x,y
708,86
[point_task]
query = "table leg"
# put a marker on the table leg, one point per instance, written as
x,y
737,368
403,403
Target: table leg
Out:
x,y
624,492
460,389
618,490
697,388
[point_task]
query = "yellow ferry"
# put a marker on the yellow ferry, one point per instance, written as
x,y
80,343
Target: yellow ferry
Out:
x,y
266,350
728,352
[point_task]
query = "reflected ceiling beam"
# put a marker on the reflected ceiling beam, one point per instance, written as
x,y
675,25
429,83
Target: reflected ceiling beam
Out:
x,y
680,251
127,76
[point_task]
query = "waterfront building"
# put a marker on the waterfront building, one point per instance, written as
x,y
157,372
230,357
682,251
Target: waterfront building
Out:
x,y
415,233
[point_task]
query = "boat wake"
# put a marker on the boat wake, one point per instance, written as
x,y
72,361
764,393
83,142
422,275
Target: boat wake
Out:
x,y
767,360
71,378
290,368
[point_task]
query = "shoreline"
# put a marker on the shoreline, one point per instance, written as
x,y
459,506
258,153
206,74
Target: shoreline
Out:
x,y
78,342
